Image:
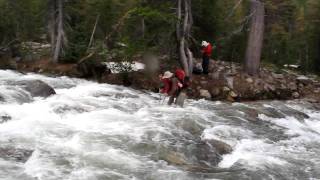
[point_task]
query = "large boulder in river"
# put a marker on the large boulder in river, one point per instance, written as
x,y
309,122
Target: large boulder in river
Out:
x,y
15,154
37,88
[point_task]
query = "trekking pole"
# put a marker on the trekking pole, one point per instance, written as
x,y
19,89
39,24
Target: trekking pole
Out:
x,y
164,99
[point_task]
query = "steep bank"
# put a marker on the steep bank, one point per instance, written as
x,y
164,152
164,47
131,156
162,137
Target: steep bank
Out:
x,y
225,81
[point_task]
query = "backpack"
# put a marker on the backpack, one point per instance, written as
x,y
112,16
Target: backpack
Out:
x,y
180,74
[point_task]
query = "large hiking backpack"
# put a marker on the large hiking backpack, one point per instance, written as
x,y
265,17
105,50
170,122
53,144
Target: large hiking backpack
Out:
x,y
180,74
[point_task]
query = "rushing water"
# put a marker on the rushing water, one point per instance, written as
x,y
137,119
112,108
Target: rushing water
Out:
x,y
90,131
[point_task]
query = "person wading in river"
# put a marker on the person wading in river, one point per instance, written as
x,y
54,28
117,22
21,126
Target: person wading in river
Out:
x,y
206,54
173,85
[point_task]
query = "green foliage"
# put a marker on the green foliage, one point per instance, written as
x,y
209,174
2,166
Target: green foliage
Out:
x,y
21,20
292,33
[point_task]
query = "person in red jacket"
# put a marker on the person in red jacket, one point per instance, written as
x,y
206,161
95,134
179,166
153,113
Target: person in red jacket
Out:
x,y
173,85
166,84
206,54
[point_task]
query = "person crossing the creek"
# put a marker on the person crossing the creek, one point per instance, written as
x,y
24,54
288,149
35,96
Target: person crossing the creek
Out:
x,y
206,54
173,85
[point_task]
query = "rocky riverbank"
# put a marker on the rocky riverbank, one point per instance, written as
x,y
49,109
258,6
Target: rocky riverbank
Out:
x,y
225,82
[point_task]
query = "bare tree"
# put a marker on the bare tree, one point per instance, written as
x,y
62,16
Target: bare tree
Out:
x,y
183,29
255,41
56,28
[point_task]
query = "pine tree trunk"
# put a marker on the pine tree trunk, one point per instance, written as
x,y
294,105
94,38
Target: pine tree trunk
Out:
x,y
255,41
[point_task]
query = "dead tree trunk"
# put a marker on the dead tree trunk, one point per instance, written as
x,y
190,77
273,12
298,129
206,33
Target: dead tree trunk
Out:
x,y
52,8
61,38
255,41
183,30
93,32
56,28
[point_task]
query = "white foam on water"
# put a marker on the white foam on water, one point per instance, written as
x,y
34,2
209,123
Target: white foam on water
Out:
x,y
90,131
253,153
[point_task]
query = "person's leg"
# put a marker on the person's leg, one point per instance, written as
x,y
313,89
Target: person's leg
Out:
x,y
181,98
171,100
205,64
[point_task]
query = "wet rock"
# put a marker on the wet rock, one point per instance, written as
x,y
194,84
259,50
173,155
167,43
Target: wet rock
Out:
x,y
37,88
205,94
293,113
63,109
221,147
206,154
125,95
173,158
191,126
295,95
251,114
271,112
14,154
209,152
5,118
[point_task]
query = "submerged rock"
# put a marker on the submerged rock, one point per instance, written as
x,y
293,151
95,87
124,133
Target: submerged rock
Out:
x,y
174,158
4,118
220,147
15,154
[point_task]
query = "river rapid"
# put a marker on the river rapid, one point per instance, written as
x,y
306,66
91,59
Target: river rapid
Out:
x,y
91,131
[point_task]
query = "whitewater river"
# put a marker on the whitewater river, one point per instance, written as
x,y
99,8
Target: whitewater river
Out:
x,y
90,131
